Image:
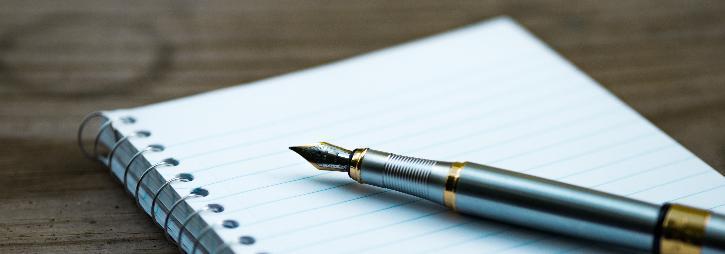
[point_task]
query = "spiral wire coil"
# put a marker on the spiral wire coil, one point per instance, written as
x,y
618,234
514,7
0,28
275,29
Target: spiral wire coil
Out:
x,y
94,154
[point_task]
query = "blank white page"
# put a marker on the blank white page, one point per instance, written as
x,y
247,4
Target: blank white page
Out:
x,y
489,93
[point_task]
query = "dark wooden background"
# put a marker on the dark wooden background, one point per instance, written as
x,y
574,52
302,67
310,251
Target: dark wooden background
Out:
x,y
62,59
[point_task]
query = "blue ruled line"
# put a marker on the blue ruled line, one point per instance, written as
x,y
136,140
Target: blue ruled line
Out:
x,y
298,248
669,182
650,169
457,225
625,159
319,207
596,149
288,232
479,237
700,192
715,207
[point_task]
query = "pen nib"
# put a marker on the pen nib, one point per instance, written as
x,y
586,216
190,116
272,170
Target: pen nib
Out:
x,y
325,156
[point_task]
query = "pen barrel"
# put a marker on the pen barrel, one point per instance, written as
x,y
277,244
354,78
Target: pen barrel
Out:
x,y
556,207
543,204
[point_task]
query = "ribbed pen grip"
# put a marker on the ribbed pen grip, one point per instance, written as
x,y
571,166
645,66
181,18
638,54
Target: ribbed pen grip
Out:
x,y
407,174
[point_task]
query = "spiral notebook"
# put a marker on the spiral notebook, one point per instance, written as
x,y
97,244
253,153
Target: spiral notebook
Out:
x,y
217,171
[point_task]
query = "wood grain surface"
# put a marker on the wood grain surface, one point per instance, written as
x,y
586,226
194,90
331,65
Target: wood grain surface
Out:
x,y
62,59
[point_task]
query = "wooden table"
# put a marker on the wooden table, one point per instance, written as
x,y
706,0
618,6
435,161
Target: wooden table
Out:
x,y
62,59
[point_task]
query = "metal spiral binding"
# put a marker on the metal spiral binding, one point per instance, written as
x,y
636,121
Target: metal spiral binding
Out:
x,y
97,140
138,134
84,122
150,148
183,177
230,224
195,193
108,123
215,208
169,162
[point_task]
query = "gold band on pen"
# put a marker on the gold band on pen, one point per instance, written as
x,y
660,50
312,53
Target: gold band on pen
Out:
x,y
683,230
354,171
449,195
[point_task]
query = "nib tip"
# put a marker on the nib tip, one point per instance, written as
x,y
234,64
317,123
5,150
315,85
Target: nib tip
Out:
x,y
325,156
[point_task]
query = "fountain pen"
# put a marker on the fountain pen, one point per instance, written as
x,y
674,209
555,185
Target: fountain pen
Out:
x,y
530,201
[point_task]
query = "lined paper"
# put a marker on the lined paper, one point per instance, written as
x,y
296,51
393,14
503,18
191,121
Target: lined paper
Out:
x,y
489,93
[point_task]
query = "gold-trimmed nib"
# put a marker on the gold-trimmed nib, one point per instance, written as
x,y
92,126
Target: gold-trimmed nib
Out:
x,y
325,156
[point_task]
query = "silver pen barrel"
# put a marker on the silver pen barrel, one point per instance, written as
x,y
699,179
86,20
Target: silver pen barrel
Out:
x,y
544,204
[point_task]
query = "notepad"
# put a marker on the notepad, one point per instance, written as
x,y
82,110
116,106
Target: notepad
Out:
x,y
489,93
